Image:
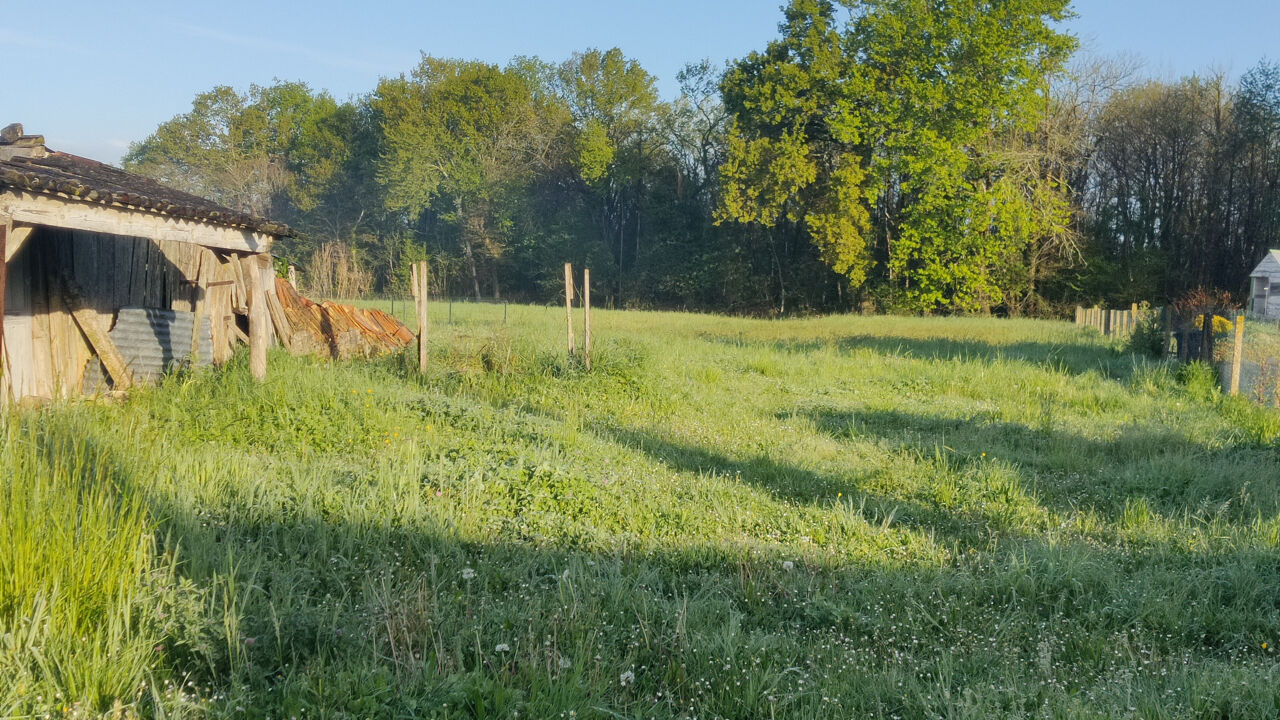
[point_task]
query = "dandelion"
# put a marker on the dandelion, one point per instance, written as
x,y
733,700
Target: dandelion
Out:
x,y
788,565
468,573
627,678
502,647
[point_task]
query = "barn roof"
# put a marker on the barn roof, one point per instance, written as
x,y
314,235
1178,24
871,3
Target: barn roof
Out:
x,y
1269,265
30,167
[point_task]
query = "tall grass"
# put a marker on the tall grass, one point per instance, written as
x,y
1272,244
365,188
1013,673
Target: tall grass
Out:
x,y
83,590
726,518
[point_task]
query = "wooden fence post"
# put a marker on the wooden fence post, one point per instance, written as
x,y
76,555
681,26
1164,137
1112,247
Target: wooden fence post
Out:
x,y
1237,356
1277,384
418,285
568,303
586,310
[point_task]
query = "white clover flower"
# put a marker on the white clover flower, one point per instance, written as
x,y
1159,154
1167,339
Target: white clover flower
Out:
x,y
468,573
627,678
788,565
502,647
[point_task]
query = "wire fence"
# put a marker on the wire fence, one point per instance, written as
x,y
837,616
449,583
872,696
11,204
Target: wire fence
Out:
x,y
1244,350
450,310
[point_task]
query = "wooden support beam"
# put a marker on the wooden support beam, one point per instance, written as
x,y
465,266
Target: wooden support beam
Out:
x,y
87,320
18,235
259,318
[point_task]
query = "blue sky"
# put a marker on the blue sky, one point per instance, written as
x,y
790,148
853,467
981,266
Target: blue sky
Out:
x,y
93,76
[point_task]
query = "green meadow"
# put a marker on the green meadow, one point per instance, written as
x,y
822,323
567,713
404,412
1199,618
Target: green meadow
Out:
x,y
725,518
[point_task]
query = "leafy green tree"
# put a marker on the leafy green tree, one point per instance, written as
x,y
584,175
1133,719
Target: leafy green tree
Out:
x,y
458,132
870,131
616,141
253,151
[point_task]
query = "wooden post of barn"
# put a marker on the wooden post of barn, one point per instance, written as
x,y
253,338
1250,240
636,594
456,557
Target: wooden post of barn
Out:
x,y
1237,356
418,285
259,317
568,303
4,275
586,311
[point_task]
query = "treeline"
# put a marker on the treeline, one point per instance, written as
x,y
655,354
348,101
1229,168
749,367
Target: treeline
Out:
x,y
889,154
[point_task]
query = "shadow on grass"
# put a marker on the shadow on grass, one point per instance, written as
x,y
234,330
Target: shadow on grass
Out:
x,y
801,486
1070,358
1066,472
327,611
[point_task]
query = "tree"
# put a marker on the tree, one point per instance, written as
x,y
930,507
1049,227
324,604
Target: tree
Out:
x,y
616,140
873,137
459,131
249,151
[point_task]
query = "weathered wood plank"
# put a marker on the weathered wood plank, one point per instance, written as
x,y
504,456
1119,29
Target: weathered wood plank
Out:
x,y
84,264
259,322
41,354
96,335
41,209
18,235
157,276
198,300
138,279
568,303
240,293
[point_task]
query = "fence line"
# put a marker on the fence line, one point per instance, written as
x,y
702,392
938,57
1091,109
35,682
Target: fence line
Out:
x,y
1246,358
1109,322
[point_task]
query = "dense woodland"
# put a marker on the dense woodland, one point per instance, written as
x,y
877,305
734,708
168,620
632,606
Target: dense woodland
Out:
x,y
896,155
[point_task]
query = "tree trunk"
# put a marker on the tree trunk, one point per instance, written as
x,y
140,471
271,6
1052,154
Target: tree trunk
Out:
x,y
466,248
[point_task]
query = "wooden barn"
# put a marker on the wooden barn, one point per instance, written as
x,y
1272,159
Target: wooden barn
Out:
x,y
1264,290
108,279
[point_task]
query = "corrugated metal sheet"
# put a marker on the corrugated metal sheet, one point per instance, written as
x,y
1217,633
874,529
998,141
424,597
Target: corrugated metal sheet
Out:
x,y
154,342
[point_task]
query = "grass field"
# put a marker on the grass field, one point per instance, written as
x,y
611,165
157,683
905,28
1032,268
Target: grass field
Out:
x,y
832,517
